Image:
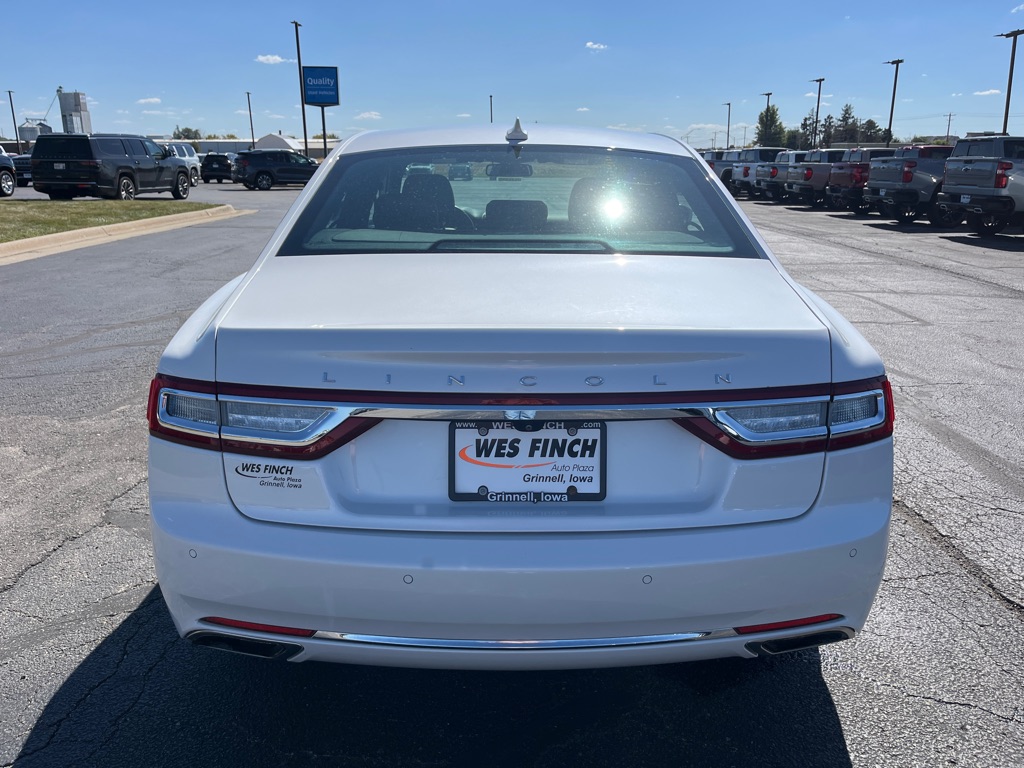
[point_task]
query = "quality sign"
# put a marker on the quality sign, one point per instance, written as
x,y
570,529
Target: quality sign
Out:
x,y
320,86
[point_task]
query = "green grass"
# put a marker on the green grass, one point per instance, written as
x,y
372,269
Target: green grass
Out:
x,y
29,218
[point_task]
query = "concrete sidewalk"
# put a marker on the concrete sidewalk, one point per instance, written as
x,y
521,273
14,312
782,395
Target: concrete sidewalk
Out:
x,y
45,245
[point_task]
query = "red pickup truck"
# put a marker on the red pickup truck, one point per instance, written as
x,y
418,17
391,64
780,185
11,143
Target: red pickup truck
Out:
x,y
848,177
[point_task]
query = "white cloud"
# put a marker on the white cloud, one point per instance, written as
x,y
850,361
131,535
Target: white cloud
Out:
x,y
241,112
1018,8
956,94
989,92
272,58
156,112
597,47
368,116
274,116
464,114
150,100
582,109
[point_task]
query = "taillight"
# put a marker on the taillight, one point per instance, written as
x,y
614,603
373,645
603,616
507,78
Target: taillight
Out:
x,y
859,175
752,628
773,172
746,171
198,414
908,171
808,172
1001,178
711,164
854,414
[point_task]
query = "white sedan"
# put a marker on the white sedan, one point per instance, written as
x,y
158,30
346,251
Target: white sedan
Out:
x,y
570,413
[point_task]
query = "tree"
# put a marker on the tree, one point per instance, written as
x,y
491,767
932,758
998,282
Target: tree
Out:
x,y
807,131
848,128
770,130
871,132
230,136
794,139
827,131
186,134
329,136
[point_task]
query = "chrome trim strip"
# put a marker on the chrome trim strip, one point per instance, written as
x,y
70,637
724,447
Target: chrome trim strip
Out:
x,y
521,645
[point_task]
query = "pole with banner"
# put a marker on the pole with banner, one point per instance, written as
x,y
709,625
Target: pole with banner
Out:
x,y
320,89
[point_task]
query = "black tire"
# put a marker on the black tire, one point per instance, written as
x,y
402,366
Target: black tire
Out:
x,y
945,219
7,183
181,187
220,180
986,224
263,181
126,188
193,177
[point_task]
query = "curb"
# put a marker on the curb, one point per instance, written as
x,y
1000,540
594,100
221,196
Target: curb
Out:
x,y
45,245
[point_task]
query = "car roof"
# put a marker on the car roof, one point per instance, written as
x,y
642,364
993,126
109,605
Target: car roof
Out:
x,y
369,141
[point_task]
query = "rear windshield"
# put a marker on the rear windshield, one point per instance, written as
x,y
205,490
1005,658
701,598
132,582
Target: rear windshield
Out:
x,y
539,198
62,148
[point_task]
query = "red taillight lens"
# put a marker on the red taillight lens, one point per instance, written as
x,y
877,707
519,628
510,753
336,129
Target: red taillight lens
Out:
x,y
908,171
752,628
711,164
746,171
860,175
773,172
271,628
278,423
1001,178
808,172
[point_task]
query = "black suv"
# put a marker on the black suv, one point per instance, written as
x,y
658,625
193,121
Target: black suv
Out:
x,y
263,168
217,165
67,165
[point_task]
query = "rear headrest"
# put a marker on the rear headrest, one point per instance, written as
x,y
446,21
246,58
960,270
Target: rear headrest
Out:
x,y
432,187
516,215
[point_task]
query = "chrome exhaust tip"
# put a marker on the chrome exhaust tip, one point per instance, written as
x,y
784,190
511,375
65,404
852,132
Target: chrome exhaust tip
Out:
x,y
247,646
800,642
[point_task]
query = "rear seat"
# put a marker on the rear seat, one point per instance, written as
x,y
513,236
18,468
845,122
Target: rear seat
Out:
x,y
515,216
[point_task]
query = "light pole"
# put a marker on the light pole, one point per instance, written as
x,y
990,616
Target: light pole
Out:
x,y
302,89
252,132
767,103
17,137
728,122
817,111
491,99
1009,82
892,106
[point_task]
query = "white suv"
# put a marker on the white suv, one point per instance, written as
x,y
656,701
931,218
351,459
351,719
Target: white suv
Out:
x,y
187,153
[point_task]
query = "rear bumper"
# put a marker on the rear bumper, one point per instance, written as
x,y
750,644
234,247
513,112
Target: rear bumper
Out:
x,y
893,196
455,595
1001,205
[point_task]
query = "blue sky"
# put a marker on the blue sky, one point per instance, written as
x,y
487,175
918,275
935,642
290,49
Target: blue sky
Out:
x,y
656,66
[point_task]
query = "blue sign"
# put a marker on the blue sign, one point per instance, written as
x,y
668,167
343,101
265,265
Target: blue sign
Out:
x,y
320,86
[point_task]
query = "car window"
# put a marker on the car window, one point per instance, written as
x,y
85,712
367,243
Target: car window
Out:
x,y
152,149
110,147
555,199
136,147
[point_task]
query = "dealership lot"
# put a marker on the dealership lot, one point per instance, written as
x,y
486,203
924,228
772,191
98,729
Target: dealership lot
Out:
x,y
92,672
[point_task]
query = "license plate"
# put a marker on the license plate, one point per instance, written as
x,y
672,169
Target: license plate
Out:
x,y
965,198
58,166
526,462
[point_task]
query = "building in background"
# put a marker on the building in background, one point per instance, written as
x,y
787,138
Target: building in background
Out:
x,y
29,130
74,112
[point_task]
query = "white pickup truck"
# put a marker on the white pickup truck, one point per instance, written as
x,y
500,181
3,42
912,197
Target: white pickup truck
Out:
x,y
984,179
770,177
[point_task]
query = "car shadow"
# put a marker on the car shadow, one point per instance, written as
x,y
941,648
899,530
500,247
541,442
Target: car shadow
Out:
x,y
145,698
1000,242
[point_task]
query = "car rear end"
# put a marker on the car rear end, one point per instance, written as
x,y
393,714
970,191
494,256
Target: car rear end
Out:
x,y
64,165
980,185
407,455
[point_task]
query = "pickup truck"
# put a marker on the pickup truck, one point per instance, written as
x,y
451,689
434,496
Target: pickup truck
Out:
x,y
905,186
770,177
807,180
984,179
743,170
721,161
848,177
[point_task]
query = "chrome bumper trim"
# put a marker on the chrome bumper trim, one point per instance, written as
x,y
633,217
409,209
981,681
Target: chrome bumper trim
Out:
x,y
521,645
